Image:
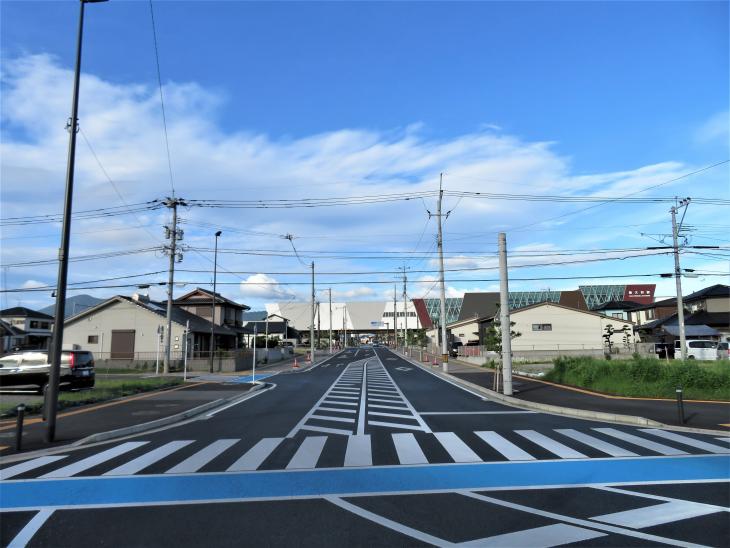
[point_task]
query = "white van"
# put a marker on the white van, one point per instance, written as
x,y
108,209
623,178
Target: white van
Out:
x,y
697,350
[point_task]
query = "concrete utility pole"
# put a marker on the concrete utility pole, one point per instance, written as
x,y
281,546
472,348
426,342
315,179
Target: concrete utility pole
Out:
x,y
319,325
173,234
51,393
212,304
504,316
329,290
311,326
395,318
440,242
405,309
678,272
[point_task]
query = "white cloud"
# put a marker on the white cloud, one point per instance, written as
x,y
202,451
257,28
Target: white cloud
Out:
x,y
31,284
716,128
261,286
356,293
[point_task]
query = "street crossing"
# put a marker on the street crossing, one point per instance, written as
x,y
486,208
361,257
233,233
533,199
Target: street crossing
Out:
x,y
402,448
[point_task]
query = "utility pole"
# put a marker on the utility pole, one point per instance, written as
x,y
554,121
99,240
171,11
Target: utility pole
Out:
x,y
311,326
678,272
395,318
319,325
212,304
174,234
440,242
504,316
405,309
51,393
330,324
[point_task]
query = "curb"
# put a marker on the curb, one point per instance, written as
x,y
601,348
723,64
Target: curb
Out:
x,y
558,410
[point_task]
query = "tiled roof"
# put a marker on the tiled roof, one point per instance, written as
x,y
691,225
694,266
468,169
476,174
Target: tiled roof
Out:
x,y
23,312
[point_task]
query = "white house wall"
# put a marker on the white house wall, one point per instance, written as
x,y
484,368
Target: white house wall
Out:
x,y
116,316
571,329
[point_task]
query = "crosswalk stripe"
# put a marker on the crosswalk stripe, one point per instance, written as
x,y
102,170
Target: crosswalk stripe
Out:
x,y
335,396
641,442
396,425
336,409
594,442
394,399
381,406
723,439
546,536
329,418
143,461
196,461
409,452
359,451
383,414
308,453
88,462
563,451
382,392
26,466
326,430
672,436
335,402
456,448
253,458
508,449
658,514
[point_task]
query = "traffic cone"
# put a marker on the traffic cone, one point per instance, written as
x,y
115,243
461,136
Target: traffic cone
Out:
x,y
296,365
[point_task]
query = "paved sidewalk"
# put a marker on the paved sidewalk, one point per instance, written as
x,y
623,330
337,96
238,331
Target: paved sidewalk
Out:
x,y
77,423
712,415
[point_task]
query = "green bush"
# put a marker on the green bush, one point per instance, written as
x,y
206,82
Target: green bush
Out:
x,y
647,377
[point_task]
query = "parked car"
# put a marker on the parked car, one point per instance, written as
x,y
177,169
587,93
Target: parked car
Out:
x,y
697,350
454,350
723,352
31,368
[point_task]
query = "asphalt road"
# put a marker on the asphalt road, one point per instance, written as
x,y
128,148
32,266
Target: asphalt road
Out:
x,y
369,449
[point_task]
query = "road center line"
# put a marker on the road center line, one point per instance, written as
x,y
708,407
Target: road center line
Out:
x,y
363,400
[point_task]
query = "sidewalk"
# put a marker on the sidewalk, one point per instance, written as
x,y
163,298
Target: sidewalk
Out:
x,y
711,415
77,423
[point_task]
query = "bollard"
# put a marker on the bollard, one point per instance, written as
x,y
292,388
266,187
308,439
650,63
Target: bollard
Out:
x,y
680,406
19,427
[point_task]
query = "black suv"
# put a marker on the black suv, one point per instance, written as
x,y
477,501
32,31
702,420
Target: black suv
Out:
x,y
31,368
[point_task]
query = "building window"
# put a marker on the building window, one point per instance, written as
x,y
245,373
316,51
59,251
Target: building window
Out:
x,y
617,315
650,314
542,327
203,311
93,339
45,325
34,324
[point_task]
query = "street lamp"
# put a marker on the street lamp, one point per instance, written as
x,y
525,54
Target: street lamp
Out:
x,y
51,395
212,315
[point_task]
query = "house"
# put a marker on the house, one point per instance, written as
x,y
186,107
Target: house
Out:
x,y
552,326
32,329
277,327
468,331
10,337
129,327
654,311
618,309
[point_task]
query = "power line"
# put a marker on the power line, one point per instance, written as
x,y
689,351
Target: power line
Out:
x,y
162,100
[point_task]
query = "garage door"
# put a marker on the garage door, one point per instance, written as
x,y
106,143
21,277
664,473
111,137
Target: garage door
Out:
x,y
122,344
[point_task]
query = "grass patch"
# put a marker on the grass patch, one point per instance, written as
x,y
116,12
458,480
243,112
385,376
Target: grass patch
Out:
x,y
104,390
645,377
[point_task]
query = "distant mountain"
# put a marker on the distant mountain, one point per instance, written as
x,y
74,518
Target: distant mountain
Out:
x,y
74,305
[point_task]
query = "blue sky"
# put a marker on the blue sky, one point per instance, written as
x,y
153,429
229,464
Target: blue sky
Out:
x,y
349,98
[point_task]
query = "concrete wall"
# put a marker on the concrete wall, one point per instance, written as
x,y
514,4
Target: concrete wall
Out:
x,y
466,332
571,329
120,315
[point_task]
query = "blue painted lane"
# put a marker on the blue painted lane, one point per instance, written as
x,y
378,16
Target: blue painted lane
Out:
x,y
141,490
250,378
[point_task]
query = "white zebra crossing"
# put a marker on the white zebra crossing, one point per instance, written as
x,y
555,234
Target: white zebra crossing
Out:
x,y
410,449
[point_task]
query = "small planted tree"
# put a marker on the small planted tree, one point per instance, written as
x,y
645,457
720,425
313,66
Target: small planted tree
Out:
x,y
493,342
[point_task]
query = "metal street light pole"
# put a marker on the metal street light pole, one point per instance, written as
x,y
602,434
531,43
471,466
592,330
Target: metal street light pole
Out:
x,y
51,395
212,305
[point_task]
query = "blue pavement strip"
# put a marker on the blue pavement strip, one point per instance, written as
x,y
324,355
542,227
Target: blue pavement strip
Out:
x,y
249,378
151,489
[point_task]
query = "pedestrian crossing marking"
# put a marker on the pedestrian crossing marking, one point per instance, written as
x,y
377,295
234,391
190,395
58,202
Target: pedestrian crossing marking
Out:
x,y
685,440
331,418
642,442
410,449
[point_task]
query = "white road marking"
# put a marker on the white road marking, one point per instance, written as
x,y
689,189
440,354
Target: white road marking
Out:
x,y
409,452
337,397
335,402
88,462
628,491
361,416
196,461
475,412
416,416
396,425
31,528
11,471
359,451
641,442
686,440
383,414
594,442
338,410
330,418
557,448
308,453
654,539
650,516
508,449
456,448
393,399
326,430
143,461
380,406
253,458
547,536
